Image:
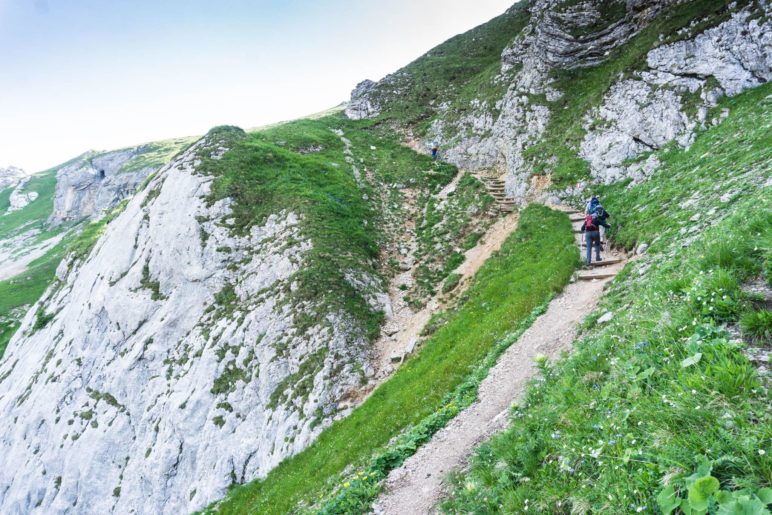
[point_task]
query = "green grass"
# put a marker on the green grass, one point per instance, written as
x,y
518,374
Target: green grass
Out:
x,y
24,290
659,407
37,212
504,292
5,199
457,71
300,167
157,154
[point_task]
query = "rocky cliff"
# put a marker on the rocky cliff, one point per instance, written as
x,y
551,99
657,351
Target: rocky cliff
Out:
x,y
95,182
10,177
645,88
20,198
142,382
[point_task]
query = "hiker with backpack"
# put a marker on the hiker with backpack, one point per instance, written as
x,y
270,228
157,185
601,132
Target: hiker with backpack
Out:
x,y
594,207
591,229
435,150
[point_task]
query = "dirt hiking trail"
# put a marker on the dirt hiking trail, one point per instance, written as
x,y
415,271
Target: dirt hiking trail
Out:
x,y
420,483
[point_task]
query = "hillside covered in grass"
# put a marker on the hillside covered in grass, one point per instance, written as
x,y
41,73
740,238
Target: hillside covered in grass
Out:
x,y
666,407
505,292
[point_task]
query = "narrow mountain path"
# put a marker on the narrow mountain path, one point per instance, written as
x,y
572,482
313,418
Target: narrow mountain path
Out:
x,y
408,324
419,484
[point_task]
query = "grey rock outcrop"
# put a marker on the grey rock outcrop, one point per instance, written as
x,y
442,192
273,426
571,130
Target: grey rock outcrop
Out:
x,y
644,114
361,104
10,177
96,182
581,34
663,103
19,198
164,372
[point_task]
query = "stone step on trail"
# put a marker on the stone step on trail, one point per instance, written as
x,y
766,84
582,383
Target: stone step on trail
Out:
x,y
606,262
592,276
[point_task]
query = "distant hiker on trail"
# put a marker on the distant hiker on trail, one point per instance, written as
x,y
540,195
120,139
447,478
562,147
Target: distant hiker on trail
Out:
x,y
591,229
435,150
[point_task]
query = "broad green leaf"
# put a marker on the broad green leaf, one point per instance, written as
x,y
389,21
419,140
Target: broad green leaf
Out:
x,y
691,360
668,500
700,492
765,494
646,373
703,469
724,497
743,506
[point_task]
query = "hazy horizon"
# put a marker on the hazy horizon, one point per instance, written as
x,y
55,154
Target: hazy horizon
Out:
x,y
81,75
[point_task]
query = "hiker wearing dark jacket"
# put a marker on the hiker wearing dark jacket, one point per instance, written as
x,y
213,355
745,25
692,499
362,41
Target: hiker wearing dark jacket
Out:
x,y
591,229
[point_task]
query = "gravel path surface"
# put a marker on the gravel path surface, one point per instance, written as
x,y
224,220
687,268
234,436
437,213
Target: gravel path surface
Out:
x,y
419,484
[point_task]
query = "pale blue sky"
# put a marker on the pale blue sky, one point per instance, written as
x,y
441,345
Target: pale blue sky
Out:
x,y
97,74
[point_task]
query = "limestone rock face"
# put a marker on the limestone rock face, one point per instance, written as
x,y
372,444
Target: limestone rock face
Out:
x,y
152,375
94,183
580,34
10,177
19,198
646,113
361,105
663,103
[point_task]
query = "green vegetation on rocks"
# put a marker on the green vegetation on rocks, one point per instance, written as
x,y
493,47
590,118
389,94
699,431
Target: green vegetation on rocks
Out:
x,y
504,293
458,71
302,167
661,408
556,153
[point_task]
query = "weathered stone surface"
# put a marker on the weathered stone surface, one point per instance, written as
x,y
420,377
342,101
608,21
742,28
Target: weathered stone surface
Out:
x,y
606,317
10,177
143,381
19,198
361,105
645,114
94,183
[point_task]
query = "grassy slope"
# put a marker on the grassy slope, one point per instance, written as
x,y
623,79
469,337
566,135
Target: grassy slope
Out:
x,y
26,288
36,213
626,414
457,71
300,167
508,287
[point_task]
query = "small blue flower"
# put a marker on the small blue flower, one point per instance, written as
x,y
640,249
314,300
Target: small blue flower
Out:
x,y
555,435
597,426
612,442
